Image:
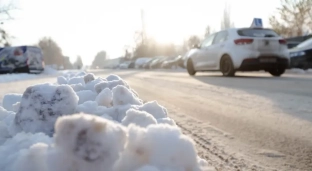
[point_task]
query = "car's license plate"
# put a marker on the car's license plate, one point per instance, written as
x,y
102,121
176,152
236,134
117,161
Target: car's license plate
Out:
x,y
268,60
266,43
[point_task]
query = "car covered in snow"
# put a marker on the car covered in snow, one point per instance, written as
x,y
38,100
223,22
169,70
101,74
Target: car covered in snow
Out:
x,y
240,49
21,59
301,55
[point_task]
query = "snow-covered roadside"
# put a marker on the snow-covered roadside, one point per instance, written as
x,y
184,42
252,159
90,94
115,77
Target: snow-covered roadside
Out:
x,y
23,76
43,130
299,71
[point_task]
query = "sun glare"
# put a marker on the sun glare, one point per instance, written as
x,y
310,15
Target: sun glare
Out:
x,y
165,27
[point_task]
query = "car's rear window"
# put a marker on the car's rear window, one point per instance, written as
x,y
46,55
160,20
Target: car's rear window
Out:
x,y
252,32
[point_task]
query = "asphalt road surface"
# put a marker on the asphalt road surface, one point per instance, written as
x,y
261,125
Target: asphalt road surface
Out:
x,y
249,122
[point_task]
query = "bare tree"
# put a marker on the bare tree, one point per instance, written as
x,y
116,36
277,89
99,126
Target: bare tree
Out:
x,y
78,63
52,53
226,21
207,31
4,16
193,40
99,59
294,17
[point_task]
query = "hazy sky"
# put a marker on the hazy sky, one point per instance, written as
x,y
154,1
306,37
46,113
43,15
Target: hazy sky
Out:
x,y
84,27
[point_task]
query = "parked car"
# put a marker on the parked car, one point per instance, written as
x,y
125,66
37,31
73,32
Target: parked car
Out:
x,y
35,59
240,49
301,55
124,65
156,64
147,64
173,62
132,64
140,61
292,44
21,59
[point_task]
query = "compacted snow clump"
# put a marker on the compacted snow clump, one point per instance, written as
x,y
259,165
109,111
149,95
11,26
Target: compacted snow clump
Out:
x,y
85,123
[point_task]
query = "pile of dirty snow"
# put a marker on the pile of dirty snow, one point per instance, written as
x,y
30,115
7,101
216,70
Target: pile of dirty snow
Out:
x,y
89,123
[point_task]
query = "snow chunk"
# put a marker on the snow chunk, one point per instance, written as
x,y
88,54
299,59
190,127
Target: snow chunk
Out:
x,y
89,77
16,106
76,80
113,77
10,99
80,74
6,122
42,104
87,107
62,80
77,87
134,92
91,85
11,149
4,113
33,159
86,95
4,133
109,84
155,109
139,118
122,96
92,142
105,98
119,112
166,121
164,146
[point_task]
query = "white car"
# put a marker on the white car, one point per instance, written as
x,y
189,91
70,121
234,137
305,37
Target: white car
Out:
x,y
240,49
124,65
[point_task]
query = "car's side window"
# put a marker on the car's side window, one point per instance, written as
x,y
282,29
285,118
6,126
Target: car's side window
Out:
x,y
220,37
208,41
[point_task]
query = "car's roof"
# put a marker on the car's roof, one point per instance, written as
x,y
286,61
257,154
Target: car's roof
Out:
x,y
234,29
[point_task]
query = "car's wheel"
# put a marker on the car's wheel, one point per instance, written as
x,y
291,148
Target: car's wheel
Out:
x,y
190,67
226,66
277,72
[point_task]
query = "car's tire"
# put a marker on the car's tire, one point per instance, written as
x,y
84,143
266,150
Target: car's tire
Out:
x,y
226,66
277,72
190,67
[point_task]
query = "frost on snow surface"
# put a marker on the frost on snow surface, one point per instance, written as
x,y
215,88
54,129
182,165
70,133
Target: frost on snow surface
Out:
x,y
85,123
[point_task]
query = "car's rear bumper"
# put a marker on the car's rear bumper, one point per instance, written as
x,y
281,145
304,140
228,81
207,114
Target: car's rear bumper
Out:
x,y
254,64
36,70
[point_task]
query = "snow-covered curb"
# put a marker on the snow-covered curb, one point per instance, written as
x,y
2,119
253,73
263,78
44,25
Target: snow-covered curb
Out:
x,y
299,71
24,76
87,123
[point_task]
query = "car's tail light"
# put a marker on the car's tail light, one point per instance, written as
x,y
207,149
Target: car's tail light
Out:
x,y
282,41
243,41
